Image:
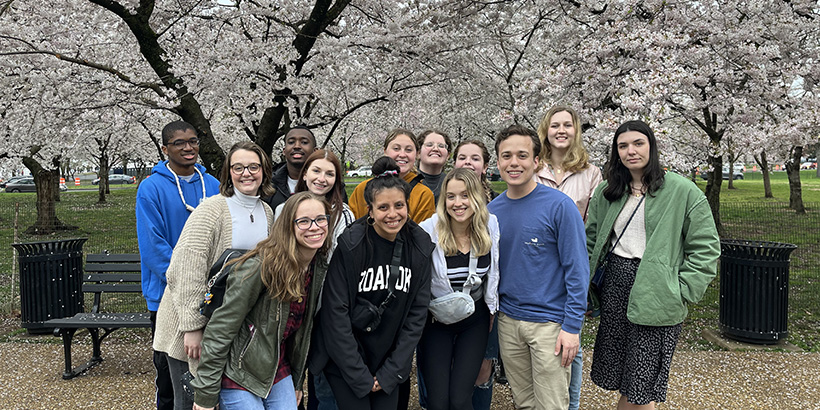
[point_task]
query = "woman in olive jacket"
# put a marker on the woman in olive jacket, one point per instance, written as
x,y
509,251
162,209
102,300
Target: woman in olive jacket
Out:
x,y
255,345
666,257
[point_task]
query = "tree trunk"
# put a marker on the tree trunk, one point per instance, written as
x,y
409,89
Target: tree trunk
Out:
x,y
763,163
793,171
47,182
713,188
102,174
816,154
731,174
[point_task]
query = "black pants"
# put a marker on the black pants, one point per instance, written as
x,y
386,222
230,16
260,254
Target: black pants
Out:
x,y
165,390
347,400
450,358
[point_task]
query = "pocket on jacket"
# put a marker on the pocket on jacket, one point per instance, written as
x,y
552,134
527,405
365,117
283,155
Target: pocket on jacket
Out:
x,y
655,299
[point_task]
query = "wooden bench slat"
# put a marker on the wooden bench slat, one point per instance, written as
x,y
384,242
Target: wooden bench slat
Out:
x,y
112,287
112,257
112,277
102,320
112,267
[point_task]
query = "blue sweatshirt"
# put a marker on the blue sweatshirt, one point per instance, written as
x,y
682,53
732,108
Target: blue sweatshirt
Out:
x,y
160,218
542,258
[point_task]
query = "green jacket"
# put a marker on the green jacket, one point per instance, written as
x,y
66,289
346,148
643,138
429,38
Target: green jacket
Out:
x,y
250,357
682,249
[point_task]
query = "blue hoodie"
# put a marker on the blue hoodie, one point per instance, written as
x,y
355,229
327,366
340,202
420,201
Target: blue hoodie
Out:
x,y
161,215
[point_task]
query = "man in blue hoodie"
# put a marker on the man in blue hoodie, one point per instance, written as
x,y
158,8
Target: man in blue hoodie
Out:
x,y
543,275
164,202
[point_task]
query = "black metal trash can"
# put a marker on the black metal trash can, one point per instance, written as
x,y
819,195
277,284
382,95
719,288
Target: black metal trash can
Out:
x,y
754,290
51,279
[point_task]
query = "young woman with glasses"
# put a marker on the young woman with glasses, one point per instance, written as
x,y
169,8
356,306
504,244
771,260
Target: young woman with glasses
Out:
x,y
256,344
236,218
433,155
322,176
375,298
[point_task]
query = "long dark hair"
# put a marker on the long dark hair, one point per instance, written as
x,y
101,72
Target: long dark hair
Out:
x,y
385,176
334,196
618,177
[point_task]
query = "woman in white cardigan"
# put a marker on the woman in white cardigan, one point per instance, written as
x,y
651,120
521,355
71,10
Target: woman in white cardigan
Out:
x,y
236,218
462,230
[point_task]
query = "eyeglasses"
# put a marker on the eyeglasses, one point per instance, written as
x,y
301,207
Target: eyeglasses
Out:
x,y
305,223
431,145
194,142
239,169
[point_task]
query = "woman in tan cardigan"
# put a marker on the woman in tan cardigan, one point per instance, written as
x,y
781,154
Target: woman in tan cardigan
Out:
x,y
236,218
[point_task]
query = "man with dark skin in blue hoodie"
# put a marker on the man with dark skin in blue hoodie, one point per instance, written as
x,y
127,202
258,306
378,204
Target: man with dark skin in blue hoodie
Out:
x,y
164,202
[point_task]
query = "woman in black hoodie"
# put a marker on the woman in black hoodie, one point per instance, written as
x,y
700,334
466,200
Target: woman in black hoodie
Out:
x,y
375,298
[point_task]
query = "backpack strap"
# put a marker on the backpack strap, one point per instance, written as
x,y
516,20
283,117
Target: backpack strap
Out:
x,y
415,181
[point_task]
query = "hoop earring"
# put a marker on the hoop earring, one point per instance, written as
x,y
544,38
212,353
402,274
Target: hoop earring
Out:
x,y
370,221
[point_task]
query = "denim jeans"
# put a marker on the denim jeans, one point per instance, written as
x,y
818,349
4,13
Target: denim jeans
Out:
x,y
282,396
177,368
575,380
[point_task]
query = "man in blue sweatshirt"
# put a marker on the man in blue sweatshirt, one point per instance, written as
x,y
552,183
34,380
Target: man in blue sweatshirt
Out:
x,y
164,202
543,276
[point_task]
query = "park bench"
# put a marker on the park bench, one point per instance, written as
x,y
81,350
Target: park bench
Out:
x,y
104,273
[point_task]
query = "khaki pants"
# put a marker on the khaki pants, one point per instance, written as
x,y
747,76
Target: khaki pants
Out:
x,y
535,374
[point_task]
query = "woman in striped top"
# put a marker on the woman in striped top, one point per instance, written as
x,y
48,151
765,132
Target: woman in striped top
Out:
x,y
451,355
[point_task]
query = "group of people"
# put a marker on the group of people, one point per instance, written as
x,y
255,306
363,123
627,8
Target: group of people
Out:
x,y
341,294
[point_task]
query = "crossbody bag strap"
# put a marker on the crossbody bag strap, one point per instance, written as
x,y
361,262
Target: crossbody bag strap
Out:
x,y
472,278
625,226
398,249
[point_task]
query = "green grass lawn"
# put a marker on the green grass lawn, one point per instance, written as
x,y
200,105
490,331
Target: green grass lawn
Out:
x,y
744,211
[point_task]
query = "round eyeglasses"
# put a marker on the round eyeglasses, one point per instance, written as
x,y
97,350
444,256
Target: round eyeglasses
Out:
x,y
239,169
305,223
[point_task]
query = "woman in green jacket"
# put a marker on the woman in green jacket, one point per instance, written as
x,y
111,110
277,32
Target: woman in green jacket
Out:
x,y
665,258
255,345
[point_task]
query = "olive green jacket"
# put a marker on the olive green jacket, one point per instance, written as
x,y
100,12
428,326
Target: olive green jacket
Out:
x,y
242,338
682,249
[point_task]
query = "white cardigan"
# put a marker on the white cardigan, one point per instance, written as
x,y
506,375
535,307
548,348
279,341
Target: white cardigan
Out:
x,y
440,284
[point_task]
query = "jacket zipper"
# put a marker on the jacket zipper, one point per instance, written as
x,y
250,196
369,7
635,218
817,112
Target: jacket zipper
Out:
x,y
279,347
247,345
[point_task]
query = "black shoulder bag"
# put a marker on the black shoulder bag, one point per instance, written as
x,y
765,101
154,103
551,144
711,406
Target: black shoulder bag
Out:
x,y
365,316
597,282
215,293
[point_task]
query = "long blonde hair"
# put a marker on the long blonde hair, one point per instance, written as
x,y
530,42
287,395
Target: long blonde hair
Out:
x,y
480,241
577,158
281,271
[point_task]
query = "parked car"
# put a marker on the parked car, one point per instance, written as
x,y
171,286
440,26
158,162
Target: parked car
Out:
x,y
360,172
26,184
493,174
117,179
809,165
12,180
737,174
